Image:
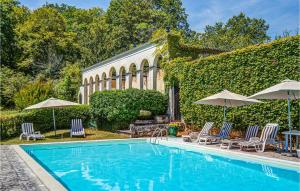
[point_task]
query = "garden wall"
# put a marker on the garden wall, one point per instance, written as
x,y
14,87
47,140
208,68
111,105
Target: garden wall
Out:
x,y
244,71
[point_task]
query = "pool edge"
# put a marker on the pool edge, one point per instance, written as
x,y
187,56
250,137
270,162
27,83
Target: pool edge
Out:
x,y
47,179
291,165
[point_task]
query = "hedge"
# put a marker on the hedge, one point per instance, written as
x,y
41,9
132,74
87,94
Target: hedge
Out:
x,y
120,107
41,119
244,71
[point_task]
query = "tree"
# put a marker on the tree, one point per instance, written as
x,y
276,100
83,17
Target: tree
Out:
x,y
33,93
11,13
11,82
69,82
46,45
132,22
239,31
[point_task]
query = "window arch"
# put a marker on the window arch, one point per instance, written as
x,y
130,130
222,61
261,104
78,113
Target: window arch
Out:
x,y
112,78
145,75
85,91
97,81
103,81
158,82
91,86
133,76
122,78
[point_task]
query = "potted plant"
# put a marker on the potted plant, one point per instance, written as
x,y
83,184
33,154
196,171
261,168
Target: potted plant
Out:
x,y
173,129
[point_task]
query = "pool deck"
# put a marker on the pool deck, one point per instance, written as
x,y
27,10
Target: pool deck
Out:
x,y
15,175
21,172
268,153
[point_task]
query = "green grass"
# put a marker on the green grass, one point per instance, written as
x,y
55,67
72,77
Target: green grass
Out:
x,y
64,136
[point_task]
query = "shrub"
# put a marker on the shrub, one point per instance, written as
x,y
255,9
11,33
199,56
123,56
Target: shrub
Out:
x,y
244,71
33,93
123,106
42,119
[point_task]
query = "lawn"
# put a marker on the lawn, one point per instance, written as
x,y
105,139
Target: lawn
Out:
x,y
64,135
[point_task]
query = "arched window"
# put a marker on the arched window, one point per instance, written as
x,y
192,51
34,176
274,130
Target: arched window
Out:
x,y
85,93
133,77
80,98
97,81
112,78
103,81
122,78
91,86
159,80
145,75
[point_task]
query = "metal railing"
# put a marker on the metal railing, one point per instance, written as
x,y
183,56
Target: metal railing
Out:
x,y
159,133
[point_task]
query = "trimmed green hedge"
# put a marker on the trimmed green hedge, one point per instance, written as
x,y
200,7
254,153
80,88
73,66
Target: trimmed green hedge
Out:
x,y
42,119
244,71
123,106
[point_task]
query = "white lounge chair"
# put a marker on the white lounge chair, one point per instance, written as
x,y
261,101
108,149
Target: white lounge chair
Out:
x,y
195,135
267,137
224,134
29,133
77,128
251,132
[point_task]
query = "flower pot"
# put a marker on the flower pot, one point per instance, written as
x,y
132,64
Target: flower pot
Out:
x,y
172,131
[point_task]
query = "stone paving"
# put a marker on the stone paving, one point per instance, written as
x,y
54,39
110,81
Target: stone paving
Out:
x,y
15,175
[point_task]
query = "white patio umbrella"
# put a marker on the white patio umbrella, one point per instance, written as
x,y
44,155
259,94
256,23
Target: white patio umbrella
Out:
x,y
52,103
227,99
287,89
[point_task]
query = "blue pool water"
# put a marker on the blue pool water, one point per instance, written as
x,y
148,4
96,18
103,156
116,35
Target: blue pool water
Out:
x,y
138,165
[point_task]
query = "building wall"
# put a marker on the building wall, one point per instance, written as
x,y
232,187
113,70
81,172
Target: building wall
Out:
x,y
124,71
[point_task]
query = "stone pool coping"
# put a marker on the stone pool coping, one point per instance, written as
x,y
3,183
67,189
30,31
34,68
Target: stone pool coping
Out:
x,y
54,185
45,177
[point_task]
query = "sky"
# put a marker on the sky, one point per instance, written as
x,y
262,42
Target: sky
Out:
x,y
281,15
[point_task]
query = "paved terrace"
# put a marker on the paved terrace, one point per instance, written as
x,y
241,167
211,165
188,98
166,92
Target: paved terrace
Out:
x,y
268,153
15,175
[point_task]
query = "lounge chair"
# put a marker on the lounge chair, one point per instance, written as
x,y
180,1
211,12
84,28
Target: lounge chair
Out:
x,y
224,133
195,135
267,137
77,128
251,132
29,133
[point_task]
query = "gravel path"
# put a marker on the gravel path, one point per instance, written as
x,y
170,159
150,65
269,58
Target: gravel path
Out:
x,y
15,175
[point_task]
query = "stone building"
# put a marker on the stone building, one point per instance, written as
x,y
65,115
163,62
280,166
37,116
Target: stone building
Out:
x,y
136,68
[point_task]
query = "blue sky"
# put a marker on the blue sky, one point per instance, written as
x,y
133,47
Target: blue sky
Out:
x,y
281,15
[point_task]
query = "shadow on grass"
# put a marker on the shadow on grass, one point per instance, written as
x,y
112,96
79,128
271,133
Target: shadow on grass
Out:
x,y
66,135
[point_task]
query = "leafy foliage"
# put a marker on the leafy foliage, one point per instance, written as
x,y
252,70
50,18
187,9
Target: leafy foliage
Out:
x,y
11,82
33,93
11,14
69,82
46,43
245,71
238,32
125,105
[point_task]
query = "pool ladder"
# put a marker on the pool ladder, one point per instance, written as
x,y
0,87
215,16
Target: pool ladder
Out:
x,y
159,133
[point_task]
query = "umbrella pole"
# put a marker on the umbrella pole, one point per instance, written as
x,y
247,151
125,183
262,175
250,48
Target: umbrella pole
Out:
x,y
225,111
289,120
53,115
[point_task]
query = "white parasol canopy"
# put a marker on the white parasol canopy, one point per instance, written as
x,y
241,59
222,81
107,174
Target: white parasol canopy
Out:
x,y
287,89
52,103
227,99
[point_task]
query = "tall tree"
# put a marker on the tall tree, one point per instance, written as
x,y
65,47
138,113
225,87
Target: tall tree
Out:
x,y
239,31
131,22
11,13
46,44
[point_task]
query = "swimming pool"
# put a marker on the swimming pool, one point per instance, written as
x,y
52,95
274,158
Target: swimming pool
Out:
x,y
138,165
